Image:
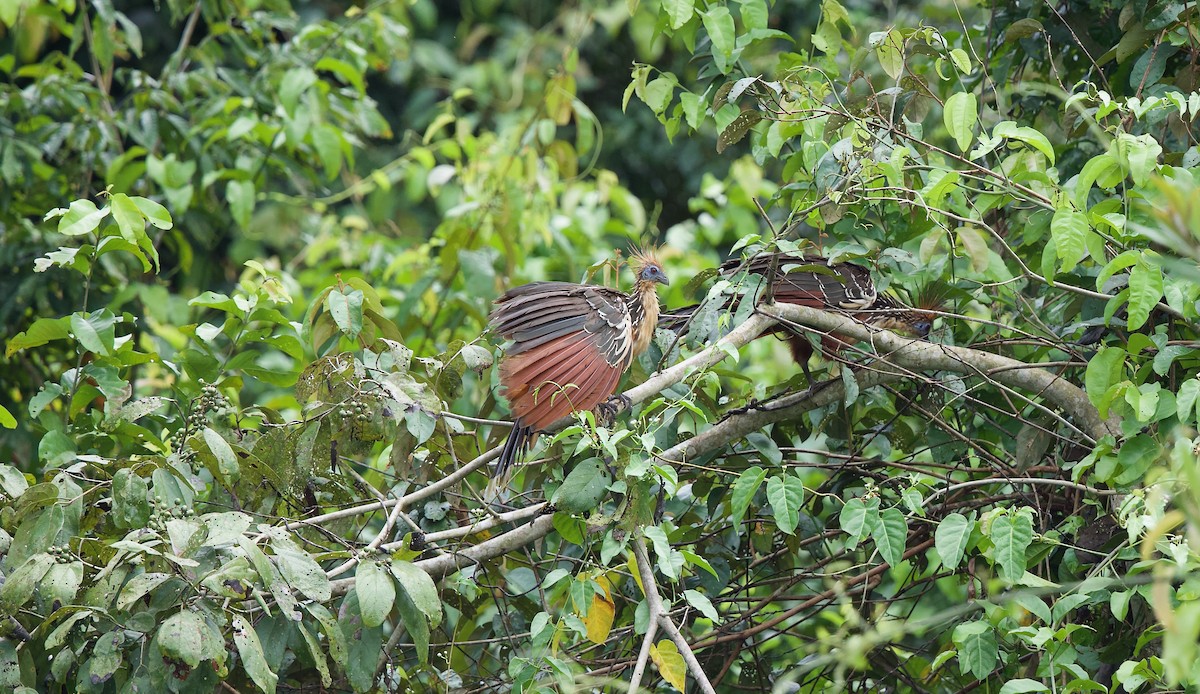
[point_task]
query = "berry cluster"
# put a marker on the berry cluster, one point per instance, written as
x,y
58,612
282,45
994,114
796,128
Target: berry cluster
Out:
x,y
61,553
356,409
210,400
164,512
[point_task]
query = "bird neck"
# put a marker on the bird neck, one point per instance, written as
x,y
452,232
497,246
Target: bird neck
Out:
x,y
643,313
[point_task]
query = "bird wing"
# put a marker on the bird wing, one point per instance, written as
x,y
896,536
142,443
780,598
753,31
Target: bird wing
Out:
x,y
570,345
811,280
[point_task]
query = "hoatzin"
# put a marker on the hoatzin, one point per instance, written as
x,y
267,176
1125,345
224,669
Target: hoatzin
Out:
x,y
815,282
570,345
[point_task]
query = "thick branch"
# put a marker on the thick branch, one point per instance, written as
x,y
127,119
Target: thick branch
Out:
x,y
446,564
919,355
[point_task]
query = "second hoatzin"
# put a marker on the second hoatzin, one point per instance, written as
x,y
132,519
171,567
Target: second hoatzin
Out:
x,y
570,345
815,282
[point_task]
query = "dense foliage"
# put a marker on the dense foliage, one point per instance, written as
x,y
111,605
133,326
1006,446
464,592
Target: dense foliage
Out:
x,y
248,395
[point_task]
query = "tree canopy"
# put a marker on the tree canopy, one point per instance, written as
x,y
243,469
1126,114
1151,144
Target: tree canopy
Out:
x,y
249,398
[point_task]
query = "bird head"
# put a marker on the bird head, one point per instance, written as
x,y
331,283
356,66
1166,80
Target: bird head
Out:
x,y
648,267
890,313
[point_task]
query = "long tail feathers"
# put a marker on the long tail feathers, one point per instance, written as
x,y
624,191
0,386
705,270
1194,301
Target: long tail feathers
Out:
x,y
677,320
518,441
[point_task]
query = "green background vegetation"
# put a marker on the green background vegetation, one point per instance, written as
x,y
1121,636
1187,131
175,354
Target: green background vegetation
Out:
x,y
248,254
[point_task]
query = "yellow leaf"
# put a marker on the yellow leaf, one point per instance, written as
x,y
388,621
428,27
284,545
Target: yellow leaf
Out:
x,y
600,615
670,663
632,567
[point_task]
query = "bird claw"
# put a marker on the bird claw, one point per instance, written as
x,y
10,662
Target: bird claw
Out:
x,y
607,411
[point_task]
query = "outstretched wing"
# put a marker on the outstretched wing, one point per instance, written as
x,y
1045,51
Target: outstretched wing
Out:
x,y
570,345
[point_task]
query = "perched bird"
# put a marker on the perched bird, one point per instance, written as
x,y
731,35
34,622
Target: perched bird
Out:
x,y
808,280
570,345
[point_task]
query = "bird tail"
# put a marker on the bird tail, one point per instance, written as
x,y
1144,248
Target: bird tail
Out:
x,y
677,320
519,438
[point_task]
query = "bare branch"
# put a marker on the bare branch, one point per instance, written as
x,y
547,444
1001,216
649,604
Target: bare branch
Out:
x,y
659,614
928,356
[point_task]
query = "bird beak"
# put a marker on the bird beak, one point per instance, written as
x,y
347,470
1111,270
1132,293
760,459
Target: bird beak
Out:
x,y
662,279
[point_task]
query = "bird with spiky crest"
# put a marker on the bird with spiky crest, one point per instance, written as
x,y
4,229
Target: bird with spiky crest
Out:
x,y
814,281
570,344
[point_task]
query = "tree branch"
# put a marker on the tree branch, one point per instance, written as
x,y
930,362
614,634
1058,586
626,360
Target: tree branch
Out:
x,y
920,355
659,614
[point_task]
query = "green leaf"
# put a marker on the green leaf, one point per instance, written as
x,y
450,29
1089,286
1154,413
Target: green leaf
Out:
x,y
1138,155
415,623
1033,138
743,491
227,469
701,602
154,213
1097,168
977,649
1070,231
961,60
346,310
42,331
138,587
301,571
857,518
1134,458
658,93
1185,400
786,494
960,113
19,585
376,592
179,637
332,628
294,83
718,22
951,538
1021,686
1145,289
253,660
889,48
584,487
1122,261
131,508
61,583
679,11
95,331
130,221
240,195
81,218
419,588
1104,370
317,654
693,109
891,535
420,424
6,419
1011,534
670,562
765,446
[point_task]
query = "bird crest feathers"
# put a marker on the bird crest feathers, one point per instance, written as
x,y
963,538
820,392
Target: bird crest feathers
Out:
x,y
641,257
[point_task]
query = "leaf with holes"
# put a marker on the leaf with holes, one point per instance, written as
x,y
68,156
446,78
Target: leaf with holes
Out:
x,y
735,131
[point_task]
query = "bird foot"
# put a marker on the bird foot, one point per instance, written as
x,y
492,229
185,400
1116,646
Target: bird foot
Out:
x,y
607,411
